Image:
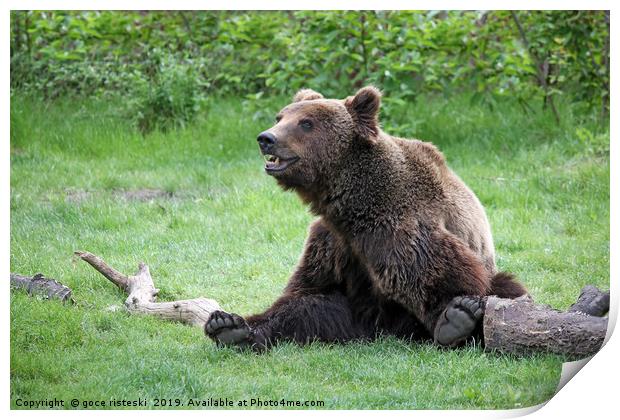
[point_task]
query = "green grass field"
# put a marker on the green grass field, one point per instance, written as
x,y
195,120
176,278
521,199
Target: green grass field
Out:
x,y
219,227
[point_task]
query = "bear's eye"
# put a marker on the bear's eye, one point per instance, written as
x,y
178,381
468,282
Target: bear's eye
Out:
x,y
305,124
278,118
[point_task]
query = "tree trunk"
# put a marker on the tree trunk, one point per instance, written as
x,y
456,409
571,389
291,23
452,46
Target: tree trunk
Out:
x,y
520,327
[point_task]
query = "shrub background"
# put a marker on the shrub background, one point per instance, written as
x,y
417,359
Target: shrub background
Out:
x,y
532,57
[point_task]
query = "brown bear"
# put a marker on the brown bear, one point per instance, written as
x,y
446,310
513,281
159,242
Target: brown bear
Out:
x,y
401,245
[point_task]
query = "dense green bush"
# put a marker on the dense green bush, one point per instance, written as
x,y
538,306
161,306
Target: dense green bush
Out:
x,y
523,55
169,98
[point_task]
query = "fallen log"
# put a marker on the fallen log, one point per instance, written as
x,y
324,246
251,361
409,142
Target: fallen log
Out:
x,y
516,326
142,294
39,285
520,327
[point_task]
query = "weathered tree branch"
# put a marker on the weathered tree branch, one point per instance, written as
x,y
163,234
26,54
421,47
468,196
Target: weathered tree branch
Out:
x,y
41,286
142,294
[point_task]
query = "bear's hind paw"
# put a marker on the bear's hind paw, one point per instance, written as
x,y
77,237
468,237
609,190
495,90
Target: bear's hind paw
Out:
x,y
459,320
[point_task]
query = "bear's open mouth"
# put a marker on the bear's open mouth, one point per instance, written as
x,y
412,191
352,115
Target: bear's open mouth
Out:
x,y
277,164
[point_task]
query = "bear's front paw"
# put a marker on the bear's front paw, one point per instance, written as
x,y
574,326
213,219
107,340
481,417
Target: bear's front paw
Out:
x,y
225,328
459,320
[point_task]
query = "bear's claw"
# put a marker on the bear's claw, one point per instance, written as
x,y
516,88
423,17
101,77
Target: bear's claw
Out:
x,y
225,328
458,321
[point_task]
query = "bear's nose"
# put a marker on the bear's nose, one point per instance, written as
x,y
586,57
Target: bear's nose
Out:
x,y
266,140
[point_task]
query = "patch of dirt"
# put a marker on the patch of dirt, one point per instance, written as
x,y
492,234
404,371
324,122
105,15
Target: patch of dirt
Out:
x,y
143,194
17,151
77,196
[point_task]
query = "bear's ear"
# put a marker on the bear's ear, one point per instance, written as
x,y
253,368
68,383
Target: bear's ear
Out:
x,y
306,95
364,108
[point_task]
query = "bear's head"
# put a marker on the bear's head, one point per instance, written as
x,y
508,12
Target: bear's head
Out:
x,y
312,135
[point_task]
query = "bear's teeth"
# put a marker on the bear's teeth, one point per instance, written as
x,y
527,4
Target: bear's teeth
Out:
x,y
272,160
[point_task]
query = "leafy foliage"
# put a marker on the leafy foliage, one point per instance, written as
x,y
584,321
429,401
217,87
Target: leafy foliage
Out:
x,y
522,55
170,99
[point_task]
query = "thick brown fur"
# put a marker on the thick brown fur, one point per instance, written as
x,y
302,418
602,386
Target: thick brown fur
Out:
x,y
398,237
